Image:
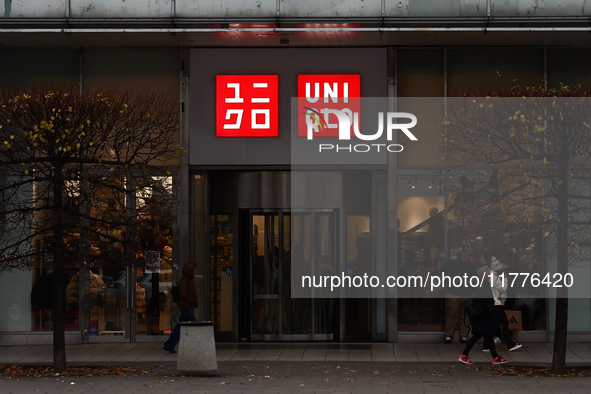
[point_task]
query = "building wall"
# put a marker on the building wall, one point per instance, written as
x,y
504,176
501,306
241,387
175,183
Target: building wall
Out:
x,y
207,149
291,8
421,72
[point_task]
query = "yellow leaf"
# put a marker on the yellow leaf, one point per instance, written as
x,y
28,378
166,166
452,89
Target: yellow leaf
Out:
x,y
546,233
514,250
550,216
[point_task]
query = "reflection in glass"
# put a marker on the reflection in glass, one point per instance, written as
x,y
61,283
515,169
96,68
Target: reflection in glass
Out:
x,y
265,274
222,261
421,218
295,309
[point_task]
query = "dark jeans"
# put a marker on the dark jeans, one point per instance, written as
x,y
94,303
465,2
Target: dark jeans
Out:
x,y
187,314
489,343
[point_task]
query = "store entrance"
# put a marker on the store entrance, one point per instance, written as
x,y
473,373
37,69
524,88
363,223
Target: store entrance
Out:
x,y
276,316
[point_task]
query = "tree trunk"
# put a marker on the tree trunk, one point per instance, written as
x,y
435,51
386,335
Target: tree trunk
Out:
x,y
560,334
59,338
59,286
561,323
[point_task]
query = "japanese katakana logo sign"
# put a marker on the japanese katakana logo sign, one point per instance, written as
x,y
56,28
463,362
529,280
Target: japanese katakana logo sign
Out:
x,y
247,105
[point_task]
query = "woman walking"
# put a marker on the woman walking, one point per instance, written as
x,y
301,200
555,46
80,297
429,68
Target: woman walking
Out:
x,y
485,326
187,303
499,291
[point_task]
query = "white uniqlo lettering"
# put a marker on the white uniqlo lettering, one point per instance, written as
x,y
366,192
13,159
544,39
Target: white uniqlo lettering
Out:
x,y
309,97
229,114
236,98
253,118
332,92
263,85
265,112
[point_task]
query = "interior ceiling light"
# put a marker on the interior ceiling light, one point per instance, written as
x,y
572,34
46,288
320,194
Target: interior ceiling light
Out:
x,y
269,34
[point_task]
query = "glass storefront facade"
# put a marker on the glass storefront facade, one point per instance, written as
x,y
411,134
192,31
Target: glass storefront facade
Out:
x,y
110,299
241,234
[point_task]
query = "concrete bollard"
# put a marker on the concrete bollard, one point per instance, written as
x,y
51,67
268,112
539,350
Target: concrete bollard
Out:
x,y
197,355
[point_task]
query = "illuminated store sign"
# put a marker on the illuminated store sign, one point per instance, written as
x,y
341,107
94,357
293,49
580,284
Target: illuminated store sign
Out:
x,y
247,105
322,97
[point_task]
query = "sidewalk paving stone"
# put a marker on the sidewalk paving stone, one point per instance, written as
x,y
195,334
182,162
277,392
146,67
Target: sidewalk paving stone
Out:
x,y
301,367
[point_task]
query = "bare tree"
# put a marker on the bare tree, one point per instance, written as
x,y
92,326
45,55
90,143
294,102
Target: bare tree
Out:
x,y
72,167
519,169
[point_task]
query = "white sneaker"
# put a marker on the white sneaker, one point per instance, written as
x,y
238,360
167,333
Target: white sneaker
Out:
x,y
517,346
497,340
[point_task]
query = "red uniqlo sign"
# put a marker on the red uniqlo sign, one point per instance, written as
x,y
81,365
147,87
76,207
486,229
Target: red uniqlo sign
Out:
x,y
247,105
319,94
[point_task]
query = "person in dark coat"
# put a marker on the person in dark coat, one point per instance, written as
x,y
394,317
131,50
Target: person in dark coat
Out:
x,y
485,326
187,303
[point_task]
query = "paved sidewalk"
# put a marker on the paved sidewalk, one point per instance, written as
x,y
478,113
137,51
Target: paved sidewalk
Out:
x,y
304,377
123,353
297,368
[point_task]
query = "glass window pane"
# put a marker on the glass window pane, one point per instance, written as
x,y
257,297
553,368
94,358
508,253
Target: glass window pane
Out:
x,y
222,260
421,224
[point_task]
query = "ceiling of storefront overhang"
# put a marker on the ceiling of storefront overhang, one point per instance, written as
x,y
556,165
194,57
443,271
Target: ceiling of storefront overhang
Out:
x,y
291,38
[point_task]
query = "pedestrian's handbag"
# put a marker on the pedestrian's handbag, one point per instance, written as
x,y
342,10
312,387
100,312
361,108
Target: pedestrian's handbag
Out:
x,y
176,297
473,309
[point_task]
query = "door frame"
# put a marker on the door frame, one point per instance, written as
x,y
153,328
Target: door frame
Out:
x,y
281,336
